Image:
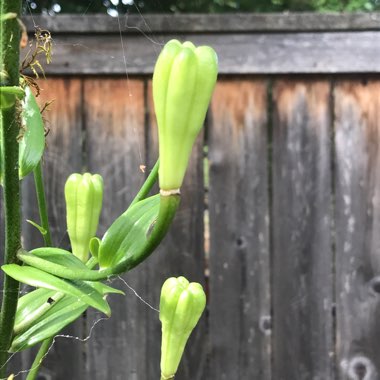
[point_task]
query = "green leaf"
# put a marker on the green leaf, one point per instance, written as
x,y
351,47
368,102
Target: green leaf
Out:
x,y
39,228
40,279
129,232
8,16
31,306
103,288
32,144
94,246
9,94
57,262
50,324
58,256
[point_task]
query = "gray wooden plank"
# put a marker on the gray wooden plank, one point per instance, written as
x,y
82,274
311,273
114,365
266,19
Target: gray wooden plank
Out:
x,y
62,157
115,146
190,23
263,53
357,194
180,254
239,315
302,256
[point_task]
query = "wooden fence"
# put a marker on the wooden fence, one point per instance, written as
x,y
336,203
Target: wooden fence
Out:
x,y
280,213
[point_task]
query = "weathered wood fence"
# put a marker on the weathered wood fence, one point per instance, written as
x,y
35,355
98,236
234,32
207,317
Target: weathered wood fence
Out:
x,y
280,216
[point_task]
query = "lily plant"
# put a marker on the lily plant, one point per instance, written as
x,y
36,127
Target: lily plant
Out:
x,y
67,282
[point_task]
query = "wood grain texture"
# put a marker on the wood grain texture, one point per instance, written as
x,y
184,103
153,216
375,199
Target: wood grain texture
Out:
x,y
63,156
239,53
180,254
190,23
115,148
302,256
357,184
239,313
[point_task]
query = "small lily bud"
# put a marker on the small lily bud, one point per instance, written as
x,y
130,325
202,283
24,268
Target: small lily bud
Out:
x,y
183,81
84,196
181,306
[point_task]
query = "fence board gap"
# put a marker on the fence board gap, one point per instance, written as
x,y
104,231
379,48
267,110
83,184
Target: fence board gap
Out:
x,y
239,319
357,182
302,255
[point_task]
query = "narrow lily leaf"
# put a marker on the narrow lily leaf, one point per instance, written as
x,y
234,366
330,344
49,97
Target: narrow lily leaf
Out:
x,y
8,16
56,263
39,228
58,256
62,314
32,306
40,279
131,228
32,144
94,246
103,288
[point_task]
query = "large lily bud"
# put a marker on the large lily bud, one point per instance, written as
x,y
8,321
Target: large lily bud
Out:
x,y
183,81
181,306
84,196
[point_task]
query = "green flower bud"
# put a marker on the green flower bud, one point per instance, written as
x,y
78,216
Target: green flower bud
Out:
x,y
181,306
84,196
183,81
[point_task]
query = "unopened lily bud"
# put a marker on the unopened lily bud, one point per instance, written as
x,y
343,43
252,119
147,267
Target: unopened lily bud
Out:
x,y
181,306
84,196
183,81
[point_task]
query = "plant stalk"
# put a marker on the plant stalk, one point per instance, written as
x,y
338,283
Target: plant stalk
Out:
x,y
41,199
41,354
44,219
9,58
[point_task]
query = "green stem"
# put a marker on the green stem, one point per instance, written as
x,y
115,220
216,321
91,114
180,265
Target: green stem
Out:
x,y
44,220
9,57
148,184
41,199
42,352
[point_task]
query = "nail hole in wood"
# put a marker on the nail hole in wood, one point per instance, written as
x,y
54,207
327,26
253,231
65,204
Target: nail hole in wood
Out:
x,y
360,368
375,284
266,324
240,242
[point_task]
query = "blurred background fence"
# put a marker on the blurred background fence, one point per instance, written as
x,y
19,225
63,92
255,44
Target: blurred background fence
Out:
x,y
280,213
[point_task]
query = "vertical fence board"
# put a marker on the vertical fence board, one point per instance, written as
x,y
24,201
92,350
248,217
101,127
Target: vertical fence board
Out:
x,y
63,156
115,146
302,255
181,253
357,182
239,247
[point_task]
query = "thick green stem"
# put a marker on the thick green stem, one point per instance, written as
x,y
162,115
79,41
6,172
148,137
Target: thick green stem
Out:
x,y
41,199
9,63
42,352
